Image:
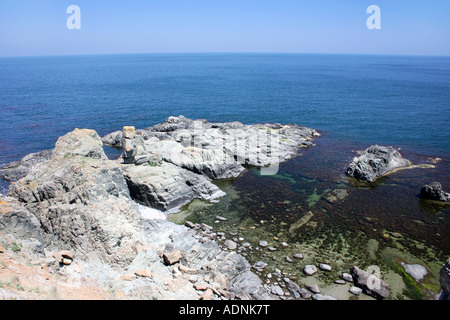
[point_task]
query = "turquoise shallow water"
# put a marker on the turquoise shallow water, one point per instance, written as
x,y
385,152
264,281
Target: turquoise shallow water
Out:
x,y
353,100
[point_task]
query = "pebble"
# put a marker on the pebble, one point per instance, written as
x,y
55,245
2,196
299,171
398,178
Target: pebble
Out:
x,y
143,273
189,224
200,286
288,259
260,265
207,295
298,256
319,296
339,281
263,243
325,267
355,290
310,269
276,290
272,248
314,288
230,244
220,218
205,227
347,277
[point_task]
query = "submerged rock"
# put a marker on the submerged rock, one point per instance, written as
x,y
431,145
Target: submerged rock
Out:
x,y
374,162
370,284
434,191
417,271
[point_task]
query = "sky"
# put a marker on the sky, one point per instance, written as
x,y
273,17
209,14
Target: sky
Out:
x,y
39,27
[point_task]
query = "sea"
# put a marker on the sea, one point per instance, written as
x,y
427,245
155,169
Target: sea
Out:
x,y
354,101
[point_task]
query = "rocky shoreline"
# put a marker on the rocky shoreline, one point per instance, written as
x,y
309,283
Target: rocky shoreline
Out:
x,y
84,216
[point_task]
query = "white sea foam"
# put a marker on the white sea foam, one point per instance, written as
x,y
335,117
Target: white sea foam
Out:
x,y
151,213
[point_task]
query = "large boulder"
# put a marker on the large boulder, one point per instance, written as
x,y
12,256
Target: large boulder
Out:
x,y
374,162
167,186
80,142
434,191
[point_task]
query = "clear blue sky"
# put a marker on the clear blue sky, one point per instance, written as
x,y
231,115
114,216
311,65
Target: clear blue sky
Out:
x,y
38,27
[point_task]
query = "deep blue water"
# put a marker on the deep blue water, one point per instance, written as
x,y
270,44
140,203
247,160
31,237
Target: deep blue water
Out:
x,y
398,100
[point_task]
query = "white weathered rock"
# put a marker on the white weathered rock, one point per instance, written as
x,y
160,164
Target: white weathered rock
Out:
x,y
417,271
309,269
347,277
276,290
355,290
314,288
319,296
167,186
260,265
263,243
230,244
324,267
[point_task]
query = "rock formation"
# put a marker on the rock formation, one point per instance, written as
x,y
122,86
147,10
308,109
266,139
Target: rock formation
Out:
x,y
74,199
434,191
81,199
169,164
374,162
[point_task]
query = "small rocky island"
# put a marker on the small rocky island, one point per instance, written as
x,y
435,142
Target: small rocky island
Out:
x,y
84,216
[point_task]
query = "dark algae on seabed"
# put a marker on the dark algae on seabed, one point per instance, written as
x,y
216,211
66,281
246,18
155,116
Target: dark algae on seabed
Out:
x,y
310,207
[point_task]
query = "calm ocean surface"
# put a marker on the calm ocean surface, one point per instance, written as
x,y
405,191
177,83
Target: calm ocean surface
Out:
x,y
353,100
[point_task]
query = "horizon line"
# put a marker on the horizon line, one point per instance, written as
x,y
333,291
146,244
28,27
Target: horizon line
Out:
x,y
225,52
